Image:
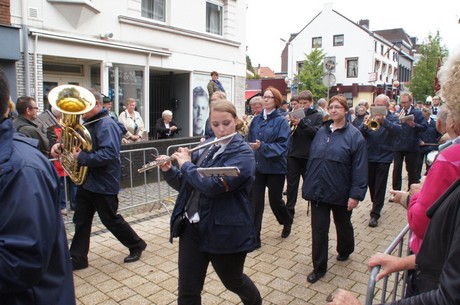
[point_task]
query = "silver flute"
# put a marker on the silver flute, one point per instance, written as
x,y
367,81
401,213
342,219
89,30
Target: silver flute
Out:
x,y
153,164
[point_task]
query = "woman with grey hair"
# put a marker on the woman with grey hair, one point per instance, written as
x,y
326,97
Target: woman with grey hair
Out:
x,y
165,127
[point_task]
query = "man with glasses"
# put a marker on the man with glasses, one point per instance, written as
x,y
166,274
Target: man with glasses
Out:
x,y
25,123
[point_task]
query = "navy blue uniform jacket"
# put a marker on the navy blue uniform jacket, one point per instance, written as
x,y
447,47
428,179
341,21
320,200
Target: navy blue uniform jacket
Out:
x,y
337,168
226,224
409,137
35,263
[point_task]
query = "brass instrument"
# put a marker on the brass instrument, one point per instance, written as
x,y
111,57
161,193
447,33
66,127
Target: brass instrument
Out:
x,y
153,164
372,123
73,101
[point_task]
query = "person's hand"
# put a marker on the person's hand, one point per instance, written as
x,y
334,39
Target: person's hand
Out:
x,y
173,128
164,166
416,187
76,152
352,203
365,121
342,297
124,141
182,155
389,264
379,118
255,145
134,138
56,150
411,123
397,195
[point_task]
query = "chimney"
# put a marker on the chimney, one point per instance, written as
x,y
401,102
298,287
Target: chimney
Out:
x,y
364,23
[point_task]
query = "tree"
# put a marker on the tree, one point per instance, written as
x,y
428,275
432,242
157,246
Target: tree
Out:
x,y
311,75
423,80
250,68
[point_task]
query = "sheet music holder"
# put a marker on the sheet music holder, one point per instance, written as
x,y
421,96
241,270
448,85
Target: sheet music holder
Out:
x,y
378,110
231,171
47,119
407,118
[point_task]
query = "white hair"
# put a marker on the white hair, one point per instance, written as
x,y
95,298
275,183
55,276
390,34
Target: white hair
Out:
x,y
166,113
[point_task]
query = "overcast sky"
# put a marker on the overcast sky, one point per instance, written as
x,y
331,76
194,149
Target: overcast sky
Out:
x,y
278,19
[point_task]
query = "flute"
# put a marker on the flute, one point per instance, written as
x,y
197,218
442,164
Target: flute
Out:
x,y
155,163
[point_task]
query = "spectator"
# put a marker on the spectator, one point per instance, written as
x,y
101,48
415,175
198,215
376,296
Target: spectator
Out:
x,y
108,105
322,105
336,180
268,136
360,114
166,128
26,125
206,208
216,96
34,261
99,193
257,105
132,121
214,84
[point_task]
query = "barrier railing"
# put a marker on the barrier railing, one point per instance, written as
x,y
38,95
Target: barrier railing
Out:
x,y
395,248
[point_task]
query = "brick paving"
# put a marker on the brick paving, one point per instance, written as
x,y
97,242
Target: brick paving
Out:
x,y
279,268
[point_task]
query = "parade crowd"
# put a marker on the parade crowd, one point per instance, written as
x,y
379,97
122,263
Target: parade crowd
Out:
x,y
339,152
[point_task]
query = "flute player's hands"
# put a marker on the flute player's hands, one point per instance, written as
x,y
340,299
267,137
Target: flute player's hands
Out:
x,y
164,166
182,155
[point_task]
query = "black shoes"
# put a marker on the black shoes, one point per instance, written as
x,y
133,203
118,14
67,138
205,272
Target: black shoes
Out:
x,y
342,258
286,231
373,222
315,276
79,266
135,254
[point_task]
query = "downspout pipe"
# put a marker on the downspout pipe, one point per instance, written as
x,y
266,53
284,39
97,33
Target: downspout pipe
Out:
x,y
25,46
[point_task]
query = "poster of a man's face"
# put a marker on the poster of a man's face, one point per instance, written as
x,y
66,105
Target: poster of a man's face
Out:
x,y
200,110
200,100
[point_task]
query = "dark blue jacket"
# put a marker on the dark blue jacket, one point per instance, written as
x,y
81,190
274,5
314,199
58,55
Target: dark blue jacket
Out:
x,y
337,167
104,159
273,134
409,137
430,135
380,142
226,224
35,263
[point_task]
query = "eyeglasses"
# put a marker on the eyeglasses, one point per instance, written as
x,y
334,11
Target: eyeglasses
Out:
x,y
334,107
269,97
34,108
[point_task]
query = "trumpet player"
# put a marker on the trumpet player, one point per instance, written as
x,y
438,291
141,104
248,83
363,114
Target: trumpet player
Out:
x,y
99,193
406,145
380,154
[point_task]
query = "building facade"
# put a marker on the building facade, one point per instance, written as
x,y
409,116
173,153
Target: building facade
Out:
x,y
358,63
155,51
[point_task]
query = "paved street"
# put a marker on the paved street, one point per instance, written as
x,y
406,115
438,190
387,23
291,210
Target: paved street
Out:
x,y
279,268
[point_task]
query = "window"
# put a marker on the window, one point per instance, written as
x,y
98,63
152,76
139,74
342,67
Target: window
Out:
x,y
352,67
317,42
338,40
214,18
153,9
375,46
381,50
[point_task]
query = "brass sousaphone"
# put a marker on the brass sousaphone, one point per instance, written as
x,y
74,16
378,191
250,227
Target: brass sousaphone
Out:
x,y
73,101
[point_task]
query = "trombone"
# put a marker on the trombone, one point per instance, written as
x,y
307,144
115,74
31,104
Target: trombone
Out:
x,y
153,164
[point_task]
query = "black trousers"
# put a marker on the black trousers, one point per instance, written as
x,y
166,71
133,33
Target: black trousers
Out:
x,y
106,206
296,169
275,185
411,166
320,222
193,265
377,181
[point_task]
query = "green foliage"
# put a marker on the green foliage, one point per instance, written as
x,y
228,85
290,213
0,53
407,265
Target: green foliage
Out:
x,y
249,67
423,79
311,75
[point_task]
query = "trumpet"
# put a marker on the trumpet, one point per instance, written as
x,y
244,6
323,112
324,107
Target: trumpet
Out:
x,y
153,164
372,123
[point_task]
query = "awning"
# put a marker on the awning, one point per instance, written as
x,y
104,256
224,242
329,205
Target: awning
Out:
x,y
250,93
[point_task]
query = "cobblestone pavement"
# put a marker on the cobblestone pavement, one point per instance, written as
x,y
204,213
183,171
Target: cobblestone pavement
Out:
x,y
279,268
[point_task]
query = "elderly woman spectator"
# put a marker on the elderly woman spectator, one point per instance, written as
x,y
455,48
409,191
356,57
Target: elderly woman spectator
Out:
x,y
132,121
336,180
166,128
257,105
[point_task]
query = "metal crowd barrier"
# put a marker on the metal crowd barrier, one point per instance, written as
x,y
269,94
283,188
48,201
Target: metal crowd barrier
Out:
x,y
399,282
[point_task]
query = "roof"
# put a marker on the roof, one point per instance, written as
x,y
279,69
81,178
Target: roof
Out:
x,y
395,35
266,72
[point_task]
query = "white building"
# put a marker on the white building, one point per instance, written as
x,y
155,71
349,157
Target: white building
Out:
x,y
361,61
156,51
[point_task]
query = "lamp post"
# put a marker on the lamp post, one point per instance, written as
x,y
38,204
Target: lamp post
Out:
x,y
290,71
